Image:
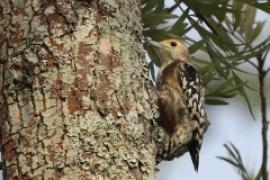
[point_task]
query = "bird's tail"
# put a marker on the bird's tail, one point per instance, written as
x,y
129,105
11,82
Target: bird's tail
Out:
x,y
194,149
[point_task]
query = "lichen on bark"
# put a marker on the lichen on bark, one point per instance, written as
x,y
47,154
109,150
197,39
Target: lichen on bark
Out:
x,y
74,96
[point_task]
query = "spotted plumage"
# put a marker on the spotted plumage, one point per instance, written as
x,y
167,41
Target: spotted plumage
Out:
x,y
180,99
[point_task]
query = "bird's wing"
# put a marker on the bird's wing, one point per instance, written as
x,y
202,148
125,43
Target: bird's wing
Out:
x,y
191,85
193,91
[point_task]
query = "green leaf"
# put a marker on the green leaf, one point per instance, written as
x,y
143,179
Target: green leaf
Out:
x,y
161,15
228,161
155,19
243,93
159,35
152,54
151,5
200,61
237,16
236,151
179,26
172,8
160,5
224,43
235,160
265,6
257,30
224,85
152,70
196,46
212,101
218,59
247,21
231,152
228,95
221,32
208,73
223,91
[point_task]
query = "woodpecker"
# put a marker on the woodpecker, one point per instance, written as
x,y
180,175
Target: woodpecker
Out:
x,y
180,98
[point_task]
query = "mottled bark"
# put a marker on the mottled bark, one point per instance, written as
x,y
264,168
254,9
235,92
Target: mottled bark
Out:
x,y
74,102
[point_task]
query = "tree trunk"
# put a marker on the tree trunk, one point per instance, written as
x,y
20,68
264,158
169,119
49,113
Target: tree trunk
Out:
x,y
74,99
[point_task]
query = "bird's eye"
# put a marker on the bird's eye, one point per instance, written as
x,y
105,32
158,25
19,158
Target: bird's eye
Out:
x,y
173,44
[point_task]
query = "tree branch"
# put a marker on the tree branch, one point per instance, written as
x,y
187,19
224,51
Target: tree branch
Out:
x,y
262,75
267,70
253,64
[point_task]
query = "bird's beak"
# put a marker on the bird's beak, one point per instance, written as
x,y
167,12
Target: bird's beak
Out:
x,y
155,44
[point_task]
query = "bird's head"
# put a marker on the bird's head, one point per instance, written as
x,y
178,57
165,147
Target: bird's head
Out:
x,y
172,50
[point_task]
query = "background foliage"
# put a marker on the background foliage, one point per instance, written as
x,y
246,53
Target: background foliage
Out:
x,y
227,31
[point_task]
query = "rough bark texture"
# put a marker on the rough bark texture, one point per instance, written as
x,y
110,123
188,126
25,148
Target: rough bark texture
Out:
x,y
73,101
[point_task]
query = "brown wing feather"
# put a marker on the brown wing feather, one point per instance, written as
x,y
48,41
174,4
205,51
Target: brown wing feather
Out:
x,y
172,108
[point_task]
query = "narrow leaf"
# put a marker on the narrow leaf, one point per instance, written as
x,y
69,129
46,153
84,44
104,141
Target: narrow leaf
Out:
x,y
196,46
215,101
